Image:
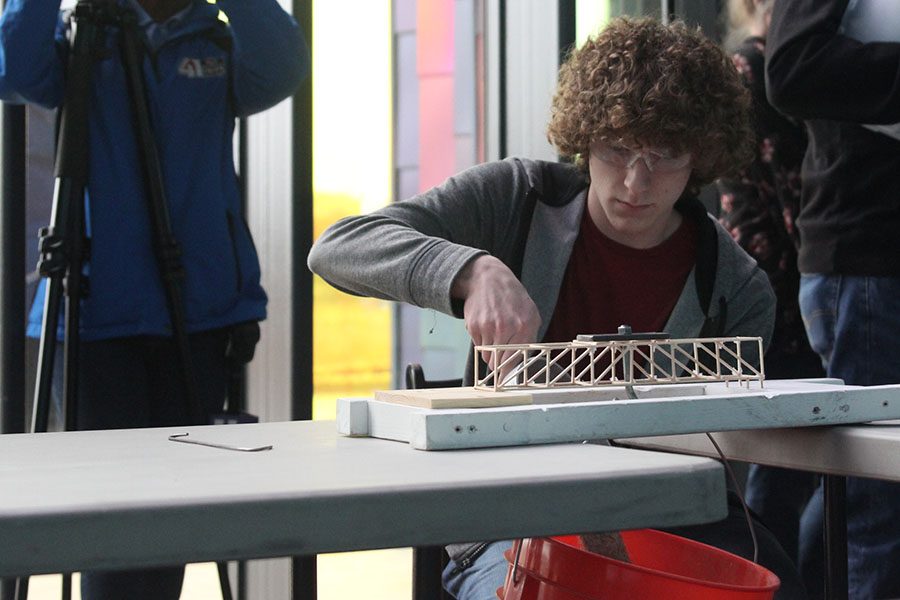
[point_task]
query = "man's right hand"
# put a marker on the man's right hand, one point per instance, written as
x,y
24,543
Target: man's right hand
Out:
x,y
497,309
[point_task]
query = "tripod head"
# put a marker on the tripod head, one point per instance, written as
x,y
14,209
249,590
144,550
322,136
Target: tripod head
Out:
x,y
99,12
160,10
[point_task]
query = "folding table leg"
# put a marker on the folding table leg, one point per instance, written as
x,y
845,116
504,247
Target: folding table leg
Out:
x,y
427,568
835,537
303,578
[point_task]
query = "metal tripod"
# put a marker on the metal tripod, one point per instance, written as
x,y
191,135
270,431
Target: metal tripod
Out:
x,y
63,245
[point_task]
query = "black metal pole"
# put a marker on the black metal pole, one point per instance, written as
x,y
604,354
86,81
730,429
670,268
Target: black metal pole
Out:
x,y
566,27
303,569
501,84
302,233
12,271
12,282
835,488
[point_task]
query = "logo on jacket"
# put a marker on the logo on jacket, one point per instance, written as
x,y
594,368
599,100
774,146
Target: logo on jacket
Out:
x,y
202,67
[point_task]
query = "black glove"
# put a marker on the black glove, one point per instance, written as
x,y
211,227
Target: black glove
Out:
x,y
242,343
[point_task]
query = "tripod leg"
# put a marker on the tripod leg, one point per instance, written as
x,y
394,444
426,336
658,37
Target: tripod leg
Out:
x,y
304,577
46,355
61,243
168,253
67,586
22,588
224,582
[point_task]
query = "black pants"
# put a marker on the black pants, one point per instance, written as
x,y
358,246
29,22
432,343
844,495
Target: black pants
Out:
x,y
136,382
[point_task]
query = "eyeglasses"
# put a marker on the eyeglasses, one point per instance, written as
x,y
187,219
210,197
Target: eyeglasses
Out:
x,y
656,160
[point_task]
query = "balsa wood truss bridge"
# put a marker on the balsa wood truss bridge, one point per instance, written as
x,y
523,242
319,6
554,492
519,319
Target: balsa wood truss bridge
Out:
x,y
611,386
587,362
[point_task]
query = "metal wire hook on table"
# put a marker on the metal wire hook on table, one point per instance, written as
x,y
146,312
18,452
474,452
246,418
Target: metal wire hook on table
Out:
x,y
181,437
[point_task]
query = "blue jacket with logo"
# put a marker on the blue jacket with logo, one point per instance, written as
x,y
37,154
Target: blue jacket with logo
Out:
x,y
219,61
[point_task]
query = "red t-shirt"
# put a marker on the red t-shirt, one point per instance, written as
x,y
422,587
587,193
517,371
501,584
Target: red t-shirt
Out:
x,y
607,284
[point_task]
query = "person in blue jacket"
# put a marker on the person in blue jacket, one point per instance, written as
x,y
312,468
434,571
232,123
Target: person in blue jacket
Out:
x,y
205,63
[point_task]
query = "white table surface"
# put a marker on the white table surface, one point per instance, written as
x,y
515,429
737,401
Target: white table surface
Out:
x,y
107,499
870,450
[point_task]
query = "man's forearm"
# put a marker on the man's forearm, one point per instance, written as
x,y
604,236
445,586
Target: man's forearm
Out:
x,y
475,270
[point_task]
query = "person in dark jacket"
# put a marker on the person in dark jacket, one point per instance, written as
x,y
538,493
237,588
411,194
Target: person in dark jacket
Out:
x,y
526,250
836,65
759,208
205,63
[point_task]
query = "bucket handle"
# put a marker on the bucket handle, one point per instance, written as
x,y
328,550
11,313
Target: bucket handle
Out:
x,y
516,562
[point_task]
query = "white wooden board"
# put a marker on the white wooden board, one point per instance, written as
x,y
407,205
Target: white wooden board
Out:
x,y
458,397
467,397
698,408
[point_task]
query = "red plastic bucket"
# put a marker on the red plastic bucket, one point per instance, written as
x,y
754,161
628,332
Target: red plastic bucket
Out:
x,y
662,566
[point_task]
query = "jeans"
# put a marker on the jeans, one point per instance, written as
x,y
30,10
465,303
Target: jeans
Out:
x,y
779,496
136,382
480,580
853,323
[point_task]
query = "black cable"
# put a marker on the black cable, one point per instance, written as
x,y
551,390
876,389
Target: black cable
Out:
x,y
740,494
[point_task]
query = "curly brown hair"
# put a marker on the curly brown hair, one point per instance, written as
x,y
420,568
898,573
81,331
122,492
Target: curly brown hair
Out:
x,y
638,82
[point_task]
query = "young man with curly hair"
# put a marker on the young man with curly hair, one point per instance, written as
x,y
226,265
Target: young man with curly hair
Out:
x,y
528,250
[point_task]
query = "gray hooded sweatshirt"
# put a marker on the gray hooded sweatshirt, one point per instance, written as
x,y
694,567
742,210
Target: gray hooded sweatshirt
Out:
x,y
526,213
